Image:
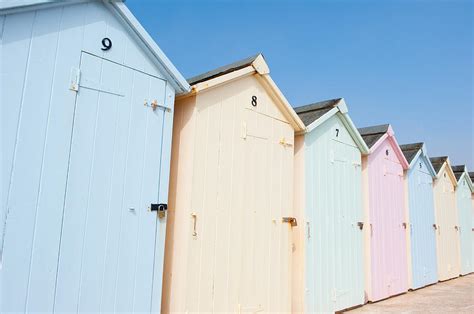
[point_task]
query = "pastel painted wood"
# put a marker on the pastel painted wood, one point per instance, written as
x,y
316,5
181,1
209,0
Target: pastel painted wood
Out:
x,y
421,238
82,163
385,222
446,219
328,255
228,248
464,191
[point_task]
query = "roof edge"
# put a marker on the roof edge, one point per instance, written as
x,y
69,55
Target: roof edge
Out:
x,y
120,10
177,79
262,71
449,170
341,111
422,153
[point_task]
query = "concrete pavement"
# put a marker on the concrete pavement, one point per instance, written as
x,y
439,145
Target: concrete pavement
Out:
x,y
452,296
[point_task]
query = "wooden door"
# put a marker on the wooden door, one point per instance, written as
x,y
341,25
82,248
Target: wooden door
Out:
x,y
107,258
447,232
423,242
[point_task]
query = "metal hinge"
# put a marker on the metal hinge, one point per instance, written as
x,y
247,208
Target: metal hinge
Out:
x,y
291,220
75,79
285,143
154,105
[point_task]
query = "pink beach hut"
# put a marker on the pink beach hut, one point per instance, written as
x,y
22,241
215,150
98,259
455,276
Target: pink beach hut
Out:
x,y
386,268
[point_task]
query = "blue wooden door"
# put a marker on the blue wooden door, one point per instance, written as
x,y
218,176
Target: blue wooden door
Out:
x,y
334,243
423,241
107,251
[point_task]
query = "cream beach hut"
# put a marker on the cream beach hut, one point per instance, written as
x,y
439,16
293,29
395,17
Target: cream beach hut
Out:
x,y
446,220
231,194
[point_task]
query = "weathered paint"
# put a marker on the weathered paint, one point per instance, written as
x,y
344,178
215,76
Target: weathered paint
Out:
x,y
79,169
421,239
328,246
227,248
446,217
384,232
463,201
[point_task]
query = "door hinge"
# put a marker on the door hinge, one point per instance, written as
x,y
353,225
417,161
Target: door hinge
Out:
x,y
75,79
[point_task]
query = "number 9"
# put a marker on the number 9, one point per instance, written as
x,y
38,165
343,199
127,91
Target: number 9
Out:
x,y
107,43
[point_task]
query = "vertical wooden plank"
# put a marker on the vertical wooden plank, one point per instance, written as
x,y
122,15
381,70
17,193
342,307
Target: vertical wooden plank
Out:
x,y
133,207
16,43
225,188
76,206
117,209
236,207
179,221
196,219
150,244
299,265
209,206
98,198
163,197
28,164
55,161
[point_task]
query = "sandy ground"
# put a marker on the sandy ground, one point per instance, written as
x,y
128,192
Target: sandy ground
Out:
x,y
452,296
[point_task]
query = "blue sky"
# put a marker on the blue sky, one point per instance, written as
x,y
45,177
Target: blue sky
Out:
x,y
406,62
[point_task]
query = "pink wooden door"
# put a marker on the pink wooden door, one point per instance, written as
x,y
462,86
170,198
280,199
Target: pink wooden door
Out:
x,y
388,236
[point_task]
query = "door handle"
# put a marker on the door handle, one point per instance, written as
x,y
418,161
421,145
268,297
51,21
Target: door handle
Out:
x,y
360,224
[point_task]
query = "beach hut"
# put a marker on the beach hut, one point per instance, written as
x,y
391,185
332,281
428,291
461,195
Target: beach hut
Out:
x,y
464,192
87,104
384,221
328,251
446,219
471,175
421,241
228,244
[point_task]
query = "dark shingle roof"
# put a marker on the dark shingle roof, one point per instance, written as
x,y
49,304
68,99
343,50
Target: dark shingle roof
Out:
x,y
471,174
222,70
312,112
458,171
410,150
372,134
438,162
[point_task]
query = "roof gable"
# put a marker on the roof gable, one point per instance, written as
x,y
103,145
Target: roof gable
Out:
x,y
442,163
254,65
438,162
120,10
413,152
374,136
460,172
314,115
223,70
314,111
